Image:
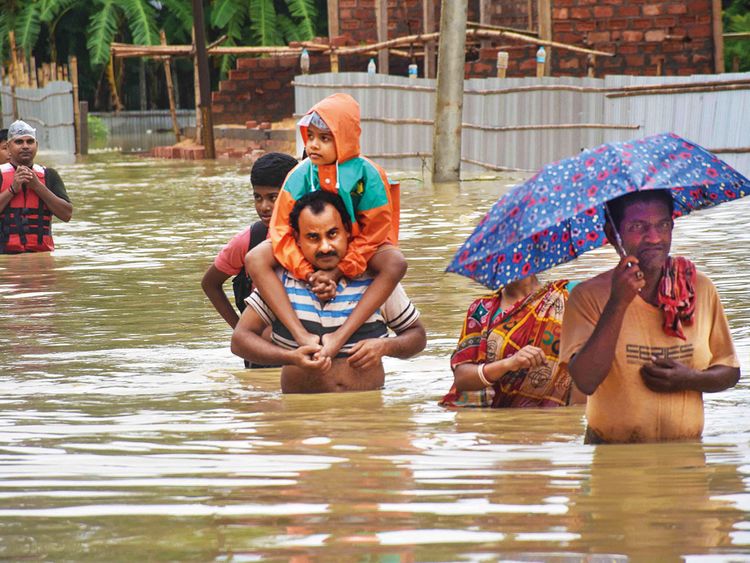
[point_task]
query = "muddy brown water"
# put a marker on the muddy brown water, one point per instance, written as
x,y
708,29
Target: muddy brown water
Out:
x,y
128,430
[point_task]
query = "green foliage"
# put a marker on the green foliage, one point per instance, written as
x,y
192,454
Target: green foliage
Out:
x,y
103,26
306,14
263,23
737,47
97,129
28,26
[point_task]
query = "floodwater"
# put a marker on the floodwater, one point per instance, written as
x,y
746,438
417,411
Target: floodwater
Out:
x,y
128,430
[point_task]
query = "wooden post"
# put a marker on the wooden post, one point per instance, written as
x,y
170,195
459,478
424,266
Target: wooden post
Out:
x,y
143,97
204,79
14,72
83,112
381,17
333,31
502,63
449,93
484,18
541,61
170,89
718,32
112,85
197,90
32,73
428,15
73,62
591,65
545,30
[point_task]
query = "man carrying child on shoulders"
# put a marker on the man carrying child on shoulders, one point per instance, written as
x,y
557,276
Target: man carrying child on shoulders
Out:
x,y
322,231
331,133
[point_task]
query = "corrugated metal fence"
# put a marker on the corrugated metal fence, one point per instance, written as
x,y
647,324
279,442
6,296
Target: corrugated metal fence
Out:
x,y
524,123
144,122
48,109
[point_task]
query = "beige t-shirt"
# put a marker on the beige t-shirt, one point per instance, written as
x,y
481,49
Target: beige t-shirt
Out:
x,y
623,409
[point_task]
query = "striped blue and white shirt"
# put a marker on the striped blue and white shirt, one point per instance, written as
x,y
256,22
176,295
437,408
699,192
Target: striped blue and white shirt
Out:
x,y
397,313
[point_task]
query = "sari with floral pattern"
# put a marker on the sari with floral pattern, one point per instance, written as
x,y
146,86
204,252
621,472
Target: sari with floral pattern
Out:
x,y
490,334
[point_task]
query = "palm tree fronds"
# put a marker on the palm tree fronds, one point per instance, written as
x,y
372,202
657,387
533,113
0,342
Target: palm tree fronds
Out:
x,y
50,9
289,29
141,18
28,26
306,13
263,23
226,12
103,26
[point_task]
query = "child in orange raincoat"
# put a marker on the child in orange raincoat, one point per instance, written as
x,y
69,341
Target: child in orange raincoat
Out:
x,y
331,131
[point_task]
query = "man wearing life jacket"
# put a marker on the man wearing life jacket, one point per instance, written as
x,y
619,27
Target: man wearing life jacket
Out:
x,y
29,195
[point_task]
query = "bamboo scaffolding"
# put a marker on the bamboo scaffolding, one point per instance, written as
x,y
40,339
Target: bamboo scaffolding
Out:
x,y
690,88
122,50
490,27
170,89
76,108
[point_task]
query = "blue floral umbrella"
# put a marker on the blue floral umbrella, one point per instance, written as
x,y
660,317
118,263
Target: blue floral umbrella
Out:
x,y
559,213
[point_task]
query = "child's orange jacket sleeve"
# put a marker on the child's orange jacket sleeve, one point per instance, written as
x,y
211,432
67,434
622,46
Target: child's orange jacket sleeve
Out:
x,y
377,222
285,248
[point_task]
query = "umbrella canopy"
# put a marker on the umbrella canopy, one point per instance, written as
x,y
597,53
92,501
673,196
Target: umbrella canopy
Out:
x,y
559,213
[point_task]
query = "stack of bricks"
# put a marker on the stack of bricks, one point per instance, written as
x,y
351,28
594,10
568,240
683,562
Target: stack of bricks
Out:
x,y
178,152
647,38
259,89
669,37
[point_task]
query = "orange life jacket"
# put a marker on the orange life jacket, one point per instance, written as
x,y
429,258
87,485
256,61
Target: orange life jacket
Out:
x,y
26,222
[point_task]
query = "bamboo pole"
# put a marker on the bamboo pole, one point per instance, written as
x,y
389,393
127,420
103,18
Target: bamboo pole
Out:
x,y
484,16
120,50
204,79
333,31
14,72
381,19
428,16
113,85
197,91
490,27
170,89
718,30
545,31
32,73
25,80
73,62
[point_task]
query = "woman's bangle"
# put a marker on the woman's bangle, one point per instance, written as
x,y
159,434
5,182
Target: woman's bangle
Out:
x,y
12,190
482,377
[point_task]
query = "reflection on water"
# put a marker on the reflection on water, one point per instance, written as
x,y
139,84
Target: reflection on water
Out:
x,y
129,430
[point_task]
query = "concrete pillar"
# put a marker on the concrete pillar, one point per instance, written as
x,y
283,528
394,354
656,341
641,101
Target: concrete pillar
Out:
x,y
449,99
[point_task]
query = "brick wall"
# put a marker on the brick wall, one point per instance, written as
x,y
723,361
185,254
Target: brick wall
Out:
x,y
670,37
648,38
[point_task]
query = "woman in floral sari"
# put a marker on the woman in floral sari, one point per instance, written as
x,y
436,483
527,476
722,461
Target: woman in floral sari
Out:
x,y
508,349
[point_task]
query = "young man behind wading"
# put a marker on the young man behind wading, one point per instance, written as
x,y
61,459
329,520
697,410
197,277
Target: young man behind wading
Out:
x,y
322,230
331,133
266,177
4,157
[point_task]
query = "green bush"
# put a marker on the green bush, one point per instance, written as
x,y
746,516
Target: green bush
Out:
x,y
97,129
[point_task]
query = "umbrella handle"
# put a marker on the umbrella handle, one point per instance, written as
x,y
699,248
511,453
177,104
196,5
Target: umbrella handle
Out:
x,y
617,243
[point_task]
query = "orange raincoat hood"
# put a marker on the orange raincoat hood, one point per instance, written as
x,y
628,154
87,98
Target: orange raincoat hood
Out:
x,y
341,114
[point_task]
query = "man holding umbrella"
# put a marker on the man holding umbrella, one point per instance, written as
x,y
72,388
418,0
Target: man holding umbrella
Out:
x,y
646,339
